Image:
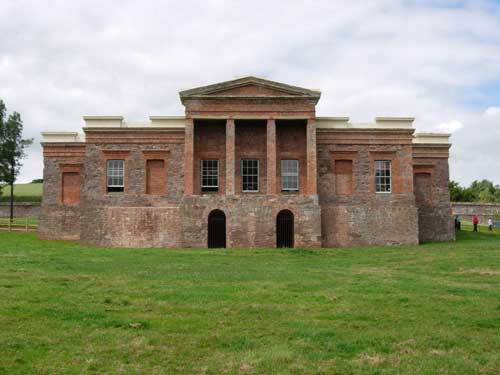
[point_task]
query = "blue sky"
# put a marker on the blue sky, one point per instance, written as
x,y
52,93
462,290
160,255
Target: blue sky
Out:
x,y
438,61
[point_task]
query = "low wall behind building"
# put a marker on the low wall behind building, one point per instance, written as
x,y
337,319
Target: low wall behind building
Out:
x,y
483,210
21,209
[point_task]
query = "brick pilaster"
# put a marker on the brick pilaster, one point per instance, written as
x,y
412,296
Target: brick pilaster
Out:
x,y
271,156
311,158
230,156
189,157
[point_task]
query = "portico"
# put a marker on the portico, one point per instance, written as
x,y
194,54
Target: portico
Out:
x,y
247,101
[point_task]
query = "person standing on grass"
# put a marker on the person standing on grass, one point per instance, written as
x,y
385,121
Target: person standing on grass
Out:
x,y
490,224
475,221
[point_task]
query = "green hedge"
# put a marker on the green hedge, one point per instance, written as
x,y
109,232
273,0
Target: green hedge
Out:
x,y
22,198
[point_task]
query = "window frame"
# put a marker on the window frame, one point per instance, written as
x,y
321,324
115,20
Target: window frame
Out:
x,y
290,174
242,168
115,186
209,188
378,178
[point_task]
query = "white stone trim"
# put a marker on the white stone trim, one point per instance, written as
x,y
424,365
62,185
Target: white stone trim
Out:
x,y
431,138
62,137
380,123
103,121
167,121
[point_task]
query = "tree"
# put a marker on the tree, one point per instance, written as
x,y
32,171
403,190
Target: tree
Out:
x,y
478,191
12,150
456,192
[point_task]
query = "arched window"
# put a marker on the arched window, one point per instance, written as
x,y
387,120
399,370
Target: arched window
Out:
x,y
284,229
216,229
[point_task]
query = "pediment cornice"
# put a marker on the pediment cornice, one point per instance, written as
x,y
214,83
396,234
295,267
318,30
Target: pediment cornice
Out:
x,y
250,88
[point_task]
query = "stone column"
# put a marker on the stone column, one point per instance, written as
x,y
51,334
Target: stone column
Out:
x,y
311,158
271,156
230,156
189,157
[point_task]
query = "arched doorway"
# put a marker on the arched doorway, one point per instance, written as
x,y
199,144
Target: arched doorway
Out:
x,y
216,229
284,229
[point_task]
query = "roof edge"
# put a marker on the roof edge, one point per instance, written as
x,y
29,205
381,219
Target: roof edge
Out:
x,y
216,87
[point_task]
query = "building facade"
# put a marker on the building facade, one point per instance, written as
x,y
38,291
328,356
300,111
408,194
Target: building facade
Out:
x,y
249,165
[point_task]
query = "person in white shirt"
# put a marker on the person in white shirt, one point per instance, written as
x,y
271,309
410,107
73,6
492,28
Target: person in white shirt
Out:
x,y
490,224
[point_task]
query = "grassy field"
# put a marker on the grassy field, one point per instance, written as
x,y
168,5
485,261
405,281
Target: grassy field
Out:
x,y
23,193
67,309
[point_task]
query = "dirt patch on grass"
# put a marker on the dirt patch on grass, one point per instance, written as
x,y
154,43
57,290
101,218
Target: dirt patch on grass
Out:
x,y
373,360
479,271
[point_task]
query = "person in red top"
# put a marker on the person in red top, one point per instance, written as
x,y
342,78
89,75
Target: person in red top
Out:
x,y
475,221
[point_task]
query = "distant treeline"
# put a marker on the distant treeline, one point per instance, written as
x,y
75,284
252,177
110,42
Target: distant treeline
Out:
x,y
483,191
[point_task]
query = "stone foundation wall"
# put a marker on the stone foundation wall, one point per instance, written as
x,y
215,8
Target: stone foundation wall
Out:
x,y
59,223
249,224
21,209
483,210
142,227
252,223
345,225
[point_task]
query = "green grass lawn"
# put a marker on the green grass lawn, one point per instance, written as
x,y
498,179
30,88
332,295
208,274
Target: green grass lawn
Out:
x,y
23,193
67,309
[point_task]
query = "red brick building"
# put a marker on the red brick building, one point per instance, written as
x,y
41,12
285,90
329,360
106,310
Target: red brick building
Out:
x,y
249,165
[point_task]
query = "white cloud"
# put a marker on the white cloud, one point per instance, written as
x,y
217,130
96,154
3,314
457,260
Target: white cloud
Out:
x,y
492,111
60,60
450,127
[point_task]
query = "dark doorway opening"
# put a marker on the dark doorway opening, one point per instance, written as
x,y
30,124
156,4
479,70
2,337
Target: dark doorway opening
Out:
x,y
284,229
216,229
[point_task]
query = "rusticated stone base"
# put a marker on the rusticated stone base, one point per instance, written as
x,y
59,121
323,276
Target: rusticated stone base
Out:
x,y
58,222
142,227
436,224
353,225
251,222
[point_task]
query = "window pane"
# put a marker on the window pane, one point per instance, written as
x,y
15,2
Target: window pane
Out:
x,y
250,175
290,175
115,175
209,175
383,177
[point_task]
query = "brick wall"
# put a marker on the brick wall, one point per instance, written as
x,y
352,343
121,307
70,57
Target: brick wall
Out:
x,y
156,177
60,209
432,195
209,143
291,144
251,144
153,210
364,217
116,219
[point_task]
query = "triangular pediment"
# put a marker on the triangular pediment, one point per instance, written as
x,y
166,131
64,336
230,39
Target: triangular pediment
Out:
x,y
249,87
